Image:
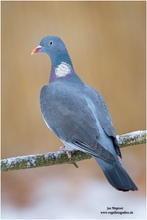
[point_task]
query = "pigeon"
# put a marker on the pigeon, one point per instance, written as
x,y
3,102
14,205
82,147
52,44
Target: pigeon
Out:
x,y
78,115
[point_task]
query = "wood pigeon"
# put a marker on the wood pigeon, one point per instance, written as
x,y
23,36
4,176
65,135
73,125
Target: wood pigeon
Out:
x,y
78,115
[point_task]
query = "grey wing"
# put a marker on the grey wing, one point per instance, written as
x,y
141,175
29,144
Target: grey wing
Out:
x,y
97,151
69,117
103,115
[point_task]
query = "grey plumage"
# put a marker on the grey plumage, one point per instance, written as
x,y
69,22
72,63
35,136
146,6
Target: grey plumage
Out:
x,y
78,115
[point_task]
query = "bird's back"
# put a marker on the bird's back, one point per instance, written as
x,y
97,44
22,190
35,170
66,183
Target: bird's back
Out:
x,y
66,112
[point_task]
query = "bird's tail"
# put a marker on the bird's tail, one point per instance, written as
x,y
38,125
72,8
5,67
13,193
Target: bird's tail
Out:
x,y
116,175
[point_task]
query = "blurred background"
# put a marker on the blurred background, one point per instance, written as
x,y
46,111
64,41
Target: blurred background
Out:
x,y
106,42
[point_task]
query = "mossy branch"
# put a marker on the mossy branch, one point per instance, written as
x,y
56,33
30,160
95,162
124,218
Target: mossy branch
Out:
x,y
60,157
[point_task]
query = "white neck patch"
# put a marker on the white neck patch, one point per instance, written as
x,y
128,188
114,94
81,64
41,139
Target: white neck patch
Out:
x,y
63,69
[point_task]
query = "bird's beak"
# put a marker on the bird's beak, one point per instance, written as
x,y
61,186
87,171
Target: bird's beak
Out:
x,y
36,50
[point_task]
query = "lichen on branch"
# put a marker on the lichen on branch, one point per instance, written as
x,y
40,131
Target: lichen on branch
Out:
x,y
60,157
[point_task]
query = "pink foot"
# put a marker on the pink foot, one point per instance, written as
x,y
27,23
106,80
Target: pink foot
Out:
x,y
67,152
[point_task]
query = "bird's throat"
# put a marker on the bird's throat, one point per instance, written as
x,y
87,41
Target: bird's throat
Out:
x,y
62,70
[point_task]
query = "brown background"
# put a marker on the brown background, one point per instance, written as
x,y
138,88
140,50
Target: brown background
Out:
x,y
106,42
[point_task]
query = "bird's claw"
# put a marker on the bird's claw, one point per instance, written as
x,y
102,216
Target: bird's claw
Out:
x,y
65,150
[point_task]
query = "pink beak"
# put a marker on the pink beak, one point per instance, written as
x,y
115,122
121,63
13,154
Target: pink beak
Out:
x,y
36,50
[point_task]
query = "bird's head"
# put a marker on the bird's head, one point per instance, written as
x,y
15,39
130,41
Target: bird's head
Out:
x,y
55,48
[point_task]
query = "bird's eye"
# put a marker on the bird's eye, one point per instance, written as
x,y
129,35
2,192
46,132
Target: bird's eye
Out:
x,y
50,43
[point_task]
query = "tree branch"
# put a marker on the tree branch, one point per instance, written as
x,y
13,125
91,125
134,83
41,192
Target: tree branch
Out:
x,y
59,157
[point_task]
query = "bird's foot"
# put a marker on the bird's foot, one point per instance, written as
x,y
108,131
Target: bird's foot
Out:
x,y
65,150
